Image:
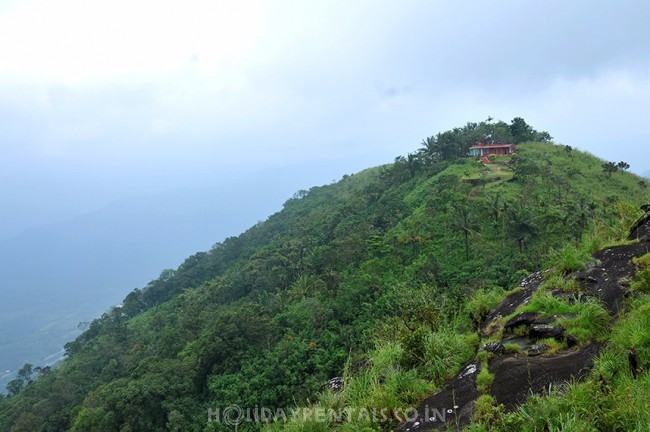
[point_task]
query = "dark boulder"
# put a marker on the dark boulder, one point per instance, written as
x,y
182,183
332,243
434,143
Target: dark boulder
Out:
x,y
641,229
545,331
495,348
537,349
516,377
571,341
523,319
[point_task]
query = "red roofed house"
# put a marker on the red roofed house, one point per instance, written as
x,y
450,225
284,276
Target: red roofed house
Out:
x,y
484,149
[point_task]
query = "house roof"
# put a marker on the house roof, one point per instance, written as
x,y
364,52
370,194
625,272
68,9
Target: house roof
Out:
x,y
486,145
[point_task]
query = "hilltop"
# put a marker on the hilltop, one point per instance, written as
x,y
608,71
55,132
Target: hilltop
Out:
x,y
379,281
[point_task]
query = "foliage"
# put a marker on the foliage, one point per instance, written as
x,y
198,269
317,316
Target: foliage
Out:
x,y
642,279
587,318
511,348
569,258
484,380
482,302
446,351
386,271
486,408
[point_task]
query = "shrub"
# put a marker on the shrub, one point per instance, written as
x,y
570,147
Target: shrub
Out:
x,y
592,321
570,258
484,380
483,357
486,410
445,352
512,348
383,385
641,280
557,281
482,302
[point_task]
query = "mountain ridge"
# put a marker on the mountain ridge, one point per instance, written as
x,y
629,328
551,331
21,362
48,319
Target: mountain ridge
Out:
x,y
356,272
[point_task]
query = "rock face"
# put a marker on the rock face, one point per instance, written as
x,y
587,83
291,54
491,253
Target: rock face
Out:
x,y
641,229
533,369
525,319
515,377
544,331
494,348
452,406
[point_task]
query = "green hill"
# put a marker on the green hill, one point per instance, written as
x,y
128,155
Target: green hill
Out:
x,y
380,278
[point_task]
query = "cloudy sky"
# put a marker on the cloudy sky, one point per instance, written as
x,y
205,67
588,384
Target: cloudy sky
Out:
x,y
101,100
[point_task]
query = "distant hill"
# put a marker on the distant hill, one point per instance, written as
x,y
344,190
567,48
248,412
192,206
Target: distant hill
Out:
x,y
646,174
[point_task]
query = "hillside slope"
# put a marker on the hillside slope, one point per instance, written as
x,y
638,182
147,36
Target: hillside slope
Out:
x,y
379,265
549,333
58,275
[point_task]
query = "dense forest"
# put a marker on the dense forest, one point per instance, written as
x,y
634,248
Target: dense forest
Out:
x,y
379,279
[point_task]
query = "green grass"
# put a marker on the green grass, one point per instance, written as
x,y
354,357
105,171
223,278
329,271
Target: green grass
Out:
x,y
553,345
445,352
569,258
591,320
491,173
484,380
641,281
482,302
511,348
555,281
485,409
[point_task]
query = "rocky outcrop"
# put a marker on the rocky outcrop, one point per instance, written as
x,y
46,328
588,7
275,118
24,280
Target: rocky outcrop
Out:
x,y
517,376
641,229
451,407
534,368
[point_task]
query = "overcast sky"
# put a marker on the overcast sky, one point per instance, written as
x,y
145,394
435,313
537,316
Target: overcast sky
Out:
x,y
105,99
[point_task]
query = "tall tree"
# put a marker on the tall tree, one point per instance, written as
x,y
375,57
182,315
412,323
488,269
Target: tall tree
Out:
x,y
521,131
522,226
623,165
466,222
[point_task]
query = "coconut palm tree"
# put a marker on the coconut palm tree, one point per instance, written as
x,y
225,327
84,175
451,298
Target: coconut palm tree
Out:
x,y
466,222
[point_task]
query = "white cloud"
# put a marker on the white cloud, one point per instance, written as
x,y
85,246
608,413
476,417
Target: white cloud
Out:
x,y
142,85
73,41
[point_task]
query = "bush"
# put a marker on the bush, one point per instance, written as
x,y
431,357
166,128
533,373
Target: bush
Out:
x,y
511,348
570,258
486,410
482,302
445,352
641,281
592,321
484,380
